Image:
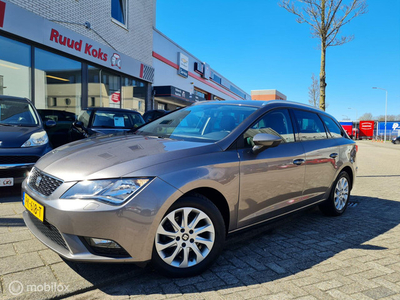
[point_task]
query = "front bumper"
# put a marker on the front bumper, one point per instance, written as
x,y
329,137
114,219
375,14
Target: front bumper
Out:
x,y
17,162
132,225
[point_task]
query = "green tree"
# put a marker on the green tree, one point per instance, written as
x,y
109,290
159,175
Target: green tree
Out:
x,y
326,18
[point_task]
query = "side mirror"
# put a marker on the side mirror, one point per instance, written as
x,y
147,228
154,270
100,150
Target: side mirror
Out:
x,y
50,123
78,124
265,140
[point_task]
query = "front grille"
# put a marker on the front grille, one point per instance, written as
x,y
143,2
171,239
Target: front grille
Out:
x,y
43,183
49,231
10,160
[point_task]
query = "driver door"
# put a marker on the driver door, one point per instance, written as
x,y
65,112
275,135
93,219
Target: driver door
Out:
x,y
271,181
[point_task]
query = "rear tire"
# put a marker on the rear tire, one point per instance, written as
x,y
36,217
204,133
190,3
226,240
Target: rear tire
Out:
x,y
189,238
339,196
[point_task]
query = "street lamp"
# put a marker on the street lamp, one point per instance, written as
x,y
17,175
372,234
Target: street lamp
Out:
x,y
378,88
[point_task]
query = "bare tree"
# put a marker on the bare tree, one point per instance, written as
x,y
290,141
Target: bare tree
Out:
x,y
326,18
366,116
313,92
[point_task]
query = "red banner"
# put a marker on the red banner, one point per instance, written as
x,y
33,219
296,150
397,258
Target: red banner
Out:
x,y
2,12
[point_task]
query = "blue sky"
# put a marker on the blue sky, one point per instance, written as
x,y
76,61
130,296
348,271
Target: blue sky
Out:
x,y
258,45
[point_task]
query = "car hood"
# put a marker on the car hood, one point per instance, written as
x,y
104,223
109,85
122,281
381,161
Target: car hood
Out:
x,y
115,156
15,136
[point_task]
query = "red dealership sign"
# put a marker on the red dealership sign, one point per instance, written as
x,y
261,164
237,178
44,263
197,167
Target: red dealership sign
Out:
x,y
2,12
89,50
115,97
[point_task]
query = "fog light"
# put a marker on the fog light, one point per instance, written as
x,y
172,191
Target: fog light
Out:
x,y
101,243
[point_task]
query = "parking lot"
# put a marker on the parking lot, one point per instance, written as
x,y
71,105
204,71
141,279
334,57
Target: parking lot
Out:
x,y
307,256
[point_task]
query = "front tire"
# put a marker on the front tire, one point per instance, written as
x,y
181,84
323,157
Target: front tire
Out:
x,y
339,196
189,238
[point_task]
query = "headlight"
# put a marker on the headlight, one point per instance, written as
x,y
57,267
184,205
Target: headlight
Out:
x,y
36,139
112,191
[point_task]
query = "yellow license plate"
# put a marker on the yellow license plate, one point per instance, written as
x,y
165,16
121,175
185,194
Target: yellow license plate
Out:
x,y
35,208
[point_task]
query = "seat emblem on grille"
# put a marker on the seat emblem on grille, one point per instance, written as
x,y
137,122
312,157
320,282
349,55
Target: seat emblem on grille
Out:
x,y
38,180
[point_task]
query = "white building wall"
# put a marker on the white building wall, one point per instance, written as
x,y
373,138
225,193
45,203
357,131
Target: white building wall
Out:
x,y
136,40
167,75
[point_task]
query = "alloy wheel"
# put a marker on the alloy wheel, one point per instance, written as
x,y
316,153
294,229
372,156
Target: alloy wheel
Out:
x,y
341,193
185,237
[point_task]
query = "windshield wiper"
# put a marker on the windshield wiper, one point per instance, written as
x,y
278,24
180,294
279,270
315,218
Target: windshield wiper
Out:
x,y
5,124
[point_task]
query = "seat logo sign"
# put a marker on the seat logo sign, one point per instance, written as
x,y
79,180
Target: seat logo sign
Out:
x,y
2,12
38,180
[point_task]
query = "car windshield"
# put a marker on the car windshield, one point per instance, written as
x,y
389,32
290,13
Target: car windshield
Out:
x,y
116,119
17,113
201,123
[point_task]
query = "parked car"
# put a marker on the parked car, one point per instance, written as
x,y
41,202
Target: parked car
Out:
x,y
104,120
23,139
396,140
151,115
58,134
171,192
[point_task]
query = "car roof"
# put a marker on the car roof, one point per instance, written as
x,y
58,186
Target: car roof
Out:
x,y
3,97
258,103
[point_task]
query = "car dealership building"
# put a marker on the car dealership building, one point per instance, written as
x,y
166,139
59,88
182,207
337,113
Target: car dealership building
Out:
x,y
68,55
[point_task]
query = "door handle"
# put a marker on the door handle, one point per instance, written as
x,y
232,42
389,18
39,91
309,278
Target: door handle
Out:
x,y
298,161
333,155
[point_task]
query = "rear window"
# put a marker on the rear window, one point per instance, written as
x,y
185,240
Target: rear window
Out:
x,y
332,126
113,119
310,126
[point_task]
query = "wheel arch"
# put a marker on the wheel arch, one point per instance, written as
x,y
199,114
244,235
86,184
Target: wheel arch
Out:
x,y
217,198
349,171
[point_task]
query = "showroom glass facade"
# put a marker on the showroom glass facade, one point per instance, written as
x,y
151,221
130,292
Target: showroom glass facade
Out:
x,y
15,70
61,82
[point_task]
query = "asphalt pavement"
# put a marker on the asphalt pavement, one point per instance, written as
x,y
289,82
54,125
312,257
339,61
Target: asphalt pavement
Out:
x,y
306,256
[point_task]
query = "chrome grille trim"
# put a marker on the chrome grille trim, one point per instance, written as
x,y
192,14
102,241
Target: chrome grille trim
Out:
x,y
42,182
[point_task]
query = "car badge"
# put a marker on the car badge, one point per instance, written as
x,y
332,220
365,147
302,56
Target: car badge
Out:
x,y
38,180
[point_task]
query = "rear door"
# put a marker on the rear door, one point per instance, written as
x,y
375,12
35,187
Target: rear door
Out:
x,y
321,154
272,181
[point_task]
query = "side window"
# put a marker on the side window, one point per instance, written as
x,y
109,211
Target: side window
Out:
x,y
276,122
333,128
310,126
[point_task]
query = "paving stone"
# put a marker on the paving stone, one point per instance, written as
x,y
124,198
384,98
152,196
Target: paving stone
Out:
x,y
37,281
49,256
66,275
379,293
13,237
287,287
18,263
339,295
7,250
328,285
32,245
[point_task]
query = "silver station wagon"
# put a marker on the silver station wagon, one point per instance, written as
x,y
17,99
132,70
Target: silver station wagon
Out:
x,y
171,191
